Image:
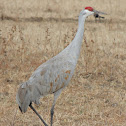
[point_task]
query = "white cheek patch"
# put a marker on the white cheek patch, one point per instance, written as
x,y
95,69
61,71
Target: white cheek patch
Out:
x,y
87,11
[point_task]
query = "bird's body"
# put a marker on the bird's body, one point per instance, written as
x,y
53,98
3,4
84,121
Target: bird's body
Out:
x,y
48,78
55,74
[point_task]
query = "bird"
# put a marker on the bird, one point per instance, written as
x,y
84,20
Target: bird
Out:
x,y
96,14
54,75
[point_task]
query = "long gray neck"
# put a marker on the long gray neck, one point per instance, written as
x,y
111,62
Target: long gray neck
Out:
x,y
75,45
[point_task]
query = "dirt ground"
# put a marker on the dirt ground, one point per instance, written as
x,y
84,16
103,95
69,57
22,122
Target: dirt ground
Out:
x,y
33,31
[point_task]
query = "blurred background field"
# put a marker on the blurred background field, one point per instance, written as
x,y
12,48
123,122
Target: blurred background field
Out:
x,y
32,31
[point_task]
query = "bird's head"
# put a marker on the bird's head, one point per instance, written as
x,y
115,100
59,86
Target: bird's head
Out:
x,y
87,11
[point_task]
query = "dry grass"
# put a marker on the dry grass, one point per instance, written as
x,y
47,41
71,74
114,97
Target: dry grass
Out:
x,y
31,32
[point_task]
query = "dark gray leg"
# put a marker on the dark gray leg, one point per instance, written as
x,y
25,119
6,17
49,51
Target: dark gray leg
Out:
x,y
52,113
56,94
37,114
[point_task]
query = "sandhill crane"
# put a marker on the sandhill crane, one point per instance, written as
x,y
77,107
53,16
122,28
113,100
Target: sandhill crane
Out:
x,y
96,14
54,75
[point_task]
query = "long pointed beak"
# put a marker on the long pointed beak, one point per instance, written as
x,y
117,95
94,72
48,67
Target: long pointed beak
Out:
x,y
99,12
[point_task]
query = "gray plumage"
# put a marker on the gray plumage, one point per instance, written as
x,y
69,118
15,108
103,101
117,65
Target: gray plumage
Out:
x,y
54,75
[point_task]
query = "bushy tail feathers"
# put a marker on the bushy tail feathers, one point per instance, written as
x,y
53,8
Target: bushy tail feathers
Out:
x,y
23,97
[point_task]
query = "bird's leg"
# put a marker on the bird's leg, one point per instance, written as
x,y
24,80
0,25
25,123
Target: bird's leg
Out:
x,y
37,114
52,113
56,94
